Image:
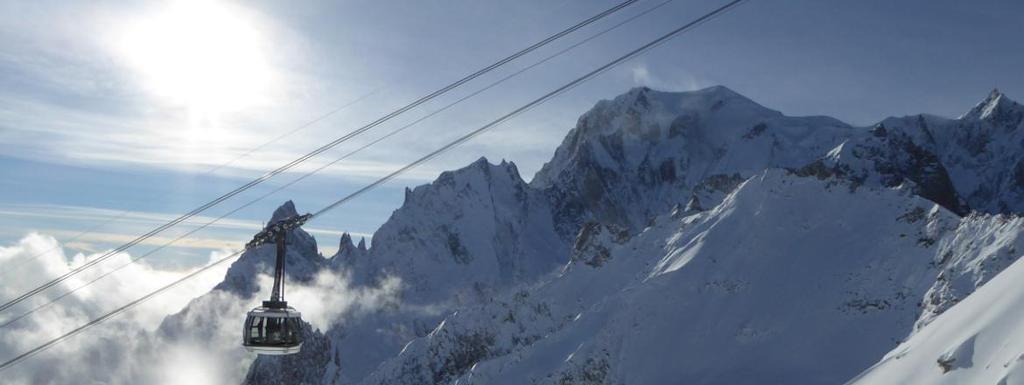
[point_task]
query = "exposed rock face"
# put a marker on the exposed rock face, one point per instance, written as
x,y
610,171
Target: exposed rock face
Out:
x,y
894,152
965,264
964,164
348,252
591,247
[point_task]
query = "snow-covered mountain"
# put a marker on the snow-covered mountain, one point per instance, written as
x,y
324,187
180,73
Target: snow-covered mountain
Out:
x,y
692,237
708,298
974,162
635,157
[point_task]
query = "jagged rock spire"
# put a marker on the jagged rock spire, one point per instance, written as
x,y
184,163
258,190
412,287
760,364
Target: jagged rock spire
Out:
x,y
346,242
284,211
347,249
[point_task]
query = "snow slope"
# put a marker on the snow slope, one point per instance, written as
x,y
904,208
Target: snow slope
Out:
x,y
978,341
709,298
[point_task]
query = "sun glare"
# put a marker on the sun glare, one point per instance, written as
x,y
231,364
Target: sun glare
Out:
x,y
203,55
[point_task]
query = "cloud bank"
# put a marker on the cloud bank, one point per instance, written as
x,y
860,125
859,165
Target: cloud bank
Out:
x,y
186,335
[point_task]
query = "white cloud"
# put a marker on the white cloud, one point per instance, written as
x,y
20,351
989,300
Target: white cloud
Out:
x,y
641,75
98,215
113,122
197,346
343,300
680,79
119,288
111,345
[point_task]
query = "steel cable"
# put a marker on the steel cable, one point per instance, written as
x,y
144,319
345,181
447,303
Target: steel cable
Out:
x,y
568,86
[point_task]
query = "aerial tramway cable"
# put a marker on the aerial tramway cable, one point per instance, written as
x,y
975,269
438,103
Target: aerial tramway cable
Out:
x,y
335,161
638,51
315,152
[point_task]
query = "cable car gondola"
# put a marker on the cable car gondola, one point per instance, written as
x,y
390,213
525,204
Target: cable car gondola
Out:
x,y
274,328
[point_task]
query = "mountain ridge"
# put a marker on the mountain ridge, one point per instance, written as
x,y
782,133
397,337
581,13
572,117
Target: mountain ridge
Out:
x,y
467,244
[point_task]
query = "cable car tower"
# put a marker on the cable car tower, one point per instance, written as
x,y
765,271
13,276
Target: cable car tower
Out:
x,y
275,328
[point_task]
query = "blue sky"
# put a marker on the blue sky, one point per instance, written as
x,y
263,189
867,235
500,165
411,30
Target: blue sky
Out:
x,y
113,106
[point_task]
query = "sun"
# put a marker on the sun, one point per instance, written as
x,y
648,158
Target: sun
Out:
x,y
203,55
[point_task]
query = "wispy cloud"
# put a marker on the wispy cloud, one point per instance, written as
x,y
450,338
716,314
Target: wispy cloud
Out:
x,y
189,242
79,101
68,222
98,215
71,94
678,80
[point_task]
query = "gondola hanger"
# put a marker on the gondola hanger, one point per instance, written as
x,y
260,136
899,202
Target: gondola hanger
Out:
x,y
275,328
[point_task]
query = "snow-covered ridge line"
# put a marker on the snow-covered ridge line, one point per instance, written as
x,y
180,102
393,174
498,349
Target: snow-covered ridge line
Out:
x,y
570,329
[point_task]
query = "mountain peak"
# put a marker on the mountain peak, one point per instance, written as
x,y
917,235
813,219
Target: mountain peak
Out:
x,y
996,106
346,242
478,175
719,90
481,162
286,210
720,100
481,166
647,128
642,95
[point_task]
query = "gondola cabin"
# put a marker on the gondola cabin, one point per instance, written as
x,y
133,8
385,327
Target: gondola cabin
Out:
x,y
273,329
